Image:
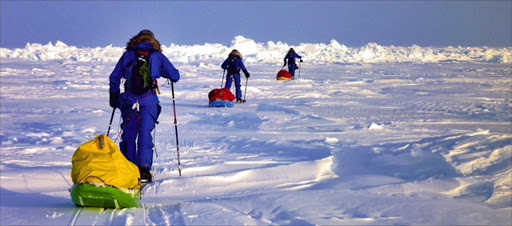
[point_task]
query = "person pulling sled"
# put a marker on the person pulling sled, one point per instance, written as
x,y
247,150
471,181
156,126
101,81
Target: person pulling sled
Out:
x,y
140,65
290,57
233,64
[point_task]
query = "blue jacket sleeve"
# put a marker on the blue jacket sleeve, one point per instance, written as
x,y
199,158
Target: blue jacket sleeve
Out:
x,y
117,74
242,66
225,64
161,66
297,56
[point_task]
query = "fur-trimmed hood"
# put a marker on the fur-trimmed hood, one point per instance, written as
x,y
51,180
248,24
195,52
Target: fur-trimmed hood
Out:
x,y
235,52
141,38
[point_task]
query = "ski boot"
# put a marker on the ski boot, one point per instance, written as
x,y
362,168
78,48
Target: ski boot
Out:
x,y
146,176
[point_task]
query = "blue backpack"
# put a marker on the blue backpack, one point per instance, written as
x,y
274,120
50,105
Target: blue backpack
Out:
x,y
234,65
291,58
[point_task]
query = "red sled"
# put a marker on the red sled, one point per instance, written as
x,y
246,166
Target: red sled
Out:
x,y
221,98
284,75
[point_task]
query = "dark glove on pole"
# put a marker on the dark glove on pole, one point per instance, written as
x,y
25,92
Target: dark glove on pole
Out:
x,y
114,99
247,75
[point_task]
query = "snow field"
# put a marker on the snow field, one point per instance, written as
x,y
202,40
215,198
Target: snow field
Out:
x,y
347,143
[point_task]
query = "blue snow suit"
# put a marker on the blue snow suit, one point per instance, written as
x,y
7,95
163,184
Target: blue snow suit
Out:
x,y
290,56
137,142
233,64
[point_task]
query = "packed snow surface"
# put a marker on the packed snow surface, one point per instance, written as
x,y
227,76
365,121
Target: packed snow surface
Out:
x,y
364,136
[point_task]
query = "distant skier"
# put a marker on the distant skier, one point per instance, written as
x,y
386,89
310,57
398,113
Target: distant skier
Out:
x,y
141,64
290,56
233,64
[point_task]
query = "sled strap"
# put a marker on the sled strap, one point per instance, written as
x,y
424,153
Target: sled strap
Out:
x,y
101,139
86,180
156,87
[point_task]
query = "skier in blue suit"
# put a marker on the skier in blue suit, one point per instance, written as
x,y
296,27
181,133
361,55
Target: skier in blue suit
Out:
x,y
233,64
140,111
290,56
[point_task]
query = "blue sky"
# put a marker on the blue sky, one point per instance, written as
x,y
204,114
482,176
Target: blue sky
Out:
x,y
352,23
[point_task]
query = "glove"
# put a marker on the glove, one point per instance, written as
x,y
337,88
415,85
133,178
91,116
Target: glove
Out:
x,y
284,63
301,60
247,75
114,99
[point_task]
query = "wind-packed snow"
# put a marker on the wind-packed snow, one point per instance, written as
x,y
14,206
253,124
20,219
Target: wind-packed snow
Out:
x,y
365,136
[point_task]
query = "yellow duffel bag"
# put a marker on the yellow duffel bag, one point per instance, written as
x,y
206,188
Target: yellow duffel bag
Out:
x,y
101,161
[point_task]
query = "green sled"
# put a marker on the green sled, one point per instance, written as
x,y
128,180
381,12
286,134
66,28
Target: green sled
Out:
x,y
103,196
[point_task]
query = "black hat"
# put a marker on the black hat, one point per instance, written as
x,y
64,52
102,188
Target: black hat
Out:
x,y
146,32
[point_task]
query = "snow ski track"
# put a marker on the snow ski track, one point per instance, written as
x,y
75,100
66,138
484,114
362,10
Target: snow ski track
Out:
x,y
168,214
153,187
102,216
76,213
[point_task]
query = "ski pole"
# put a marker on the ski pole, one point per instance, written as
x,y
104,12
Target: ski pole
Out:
x,y
176,129
299,67
245,92
222,82
232,87
111,118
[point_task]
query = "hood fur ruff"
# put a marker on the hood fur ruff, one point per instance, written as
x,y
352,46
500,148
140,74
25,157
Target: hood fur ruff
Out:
x,y
140,38
235,52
